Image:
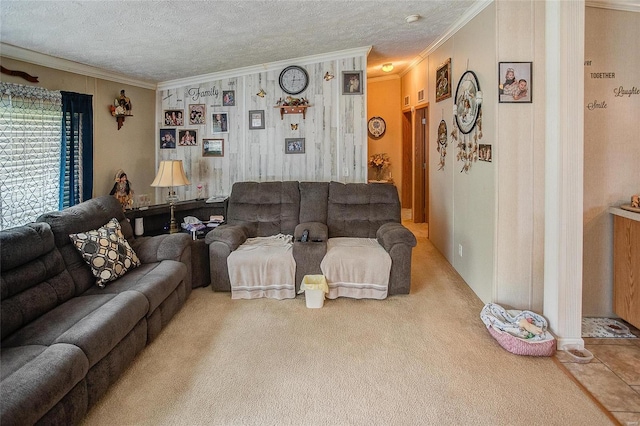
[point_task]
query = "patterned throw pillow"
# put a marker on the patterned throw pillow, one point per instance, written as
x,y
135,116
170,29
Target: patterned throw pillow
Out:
x,y
106,251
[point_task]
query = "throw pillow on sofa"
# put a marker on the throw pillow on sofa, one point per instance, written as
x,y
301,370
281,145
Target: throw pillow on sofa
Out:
x,y
106,251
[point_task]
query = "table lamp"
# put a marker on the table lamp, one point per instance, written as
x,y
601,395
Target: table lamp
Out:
x,y
171,174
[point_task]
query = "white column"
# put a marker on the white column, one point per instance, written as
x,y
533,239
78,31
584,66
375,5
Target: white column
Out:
x,y
564,147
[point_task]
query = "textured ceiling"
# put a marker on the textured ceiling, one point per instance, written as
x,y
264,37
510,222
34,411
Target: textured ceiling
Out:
x,y
158,41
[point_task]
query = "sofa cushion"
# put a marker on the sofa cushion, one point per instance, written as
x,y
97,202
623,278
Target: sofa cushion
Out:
x,y
156,281
265,208
359,209
36,378
94,323
90,214
313,201
33,279
106,251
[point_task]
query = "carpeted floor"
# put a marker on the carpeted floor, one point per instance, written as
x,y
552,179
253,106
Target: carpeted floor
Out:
x,y
420,359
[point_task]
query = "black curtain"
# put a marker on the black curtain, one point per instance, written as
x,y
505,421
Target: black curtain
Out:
x,y
76,162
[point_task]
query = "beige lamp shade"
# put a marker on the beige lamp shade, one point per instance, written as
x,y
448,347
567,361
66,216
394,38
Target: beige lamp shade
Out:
x,y
170,173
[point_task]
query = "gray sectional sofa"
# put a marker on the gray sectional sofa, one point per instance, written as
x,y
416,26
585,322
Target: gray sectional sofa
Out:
x,y
64,339
327,210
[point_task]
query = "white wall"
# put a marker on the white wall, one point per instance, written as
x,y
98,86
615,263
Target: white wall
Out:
x,y
334,128
496,210
611,144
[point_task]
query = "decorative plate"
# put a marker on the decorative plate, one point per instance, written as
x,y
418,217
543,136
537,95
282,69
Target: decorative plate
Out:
x,y
467,105
377,127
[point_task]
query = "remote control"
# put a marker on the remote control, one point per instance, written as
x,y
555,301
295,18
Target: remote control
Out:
x,y
305,236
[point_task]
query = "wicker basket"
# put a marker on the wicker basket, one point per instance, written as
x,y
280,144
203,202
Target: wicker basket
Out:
x,y
519,346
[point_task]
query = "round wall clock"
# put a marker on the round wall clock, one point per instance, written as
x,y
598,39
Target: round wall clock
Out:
x,y
377,127
467,105
294,80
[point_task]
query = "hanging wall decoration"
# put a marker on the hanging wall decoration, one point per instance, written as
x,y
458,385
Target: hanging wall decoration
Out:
x,y
443,140
467,119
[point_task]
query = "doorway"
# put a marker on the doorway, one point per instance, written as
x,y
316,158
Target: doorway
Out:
x,y
407,161
421,166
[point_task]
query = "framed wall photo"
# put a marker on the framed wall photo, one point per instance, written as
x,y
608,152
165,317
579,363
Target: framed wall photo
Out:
x,y
220,122
228,98
213,147
352,82
256,119
443,81
515,82
197,114
174,117
294,146
167,138
187,137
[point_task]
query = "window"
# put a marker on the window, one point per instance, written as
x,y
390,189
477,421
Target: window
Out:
x,y
30,135
46,152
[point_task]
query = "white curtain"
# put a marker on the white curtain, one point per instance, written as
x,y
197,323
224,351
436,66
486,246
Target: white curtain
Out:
x,y
30,134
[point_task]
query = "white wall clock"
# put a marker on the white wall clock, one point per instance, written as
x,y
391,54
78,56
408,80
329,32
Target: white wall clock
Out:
x,y
294,80
377,127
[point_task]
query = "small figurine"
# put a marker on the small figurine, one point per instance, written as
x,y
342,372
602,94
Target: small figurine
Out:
x,y
123,104
635,201
122,189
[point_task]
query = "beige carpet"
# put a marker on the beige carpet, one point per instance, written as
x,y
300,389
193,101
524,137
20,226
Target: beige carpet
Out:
x,y
421,359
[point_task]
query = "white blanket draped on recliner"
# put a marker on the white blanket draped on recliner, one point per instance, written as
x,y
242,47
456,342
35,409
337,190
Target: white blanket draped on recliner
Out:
x,y
357,268
263,267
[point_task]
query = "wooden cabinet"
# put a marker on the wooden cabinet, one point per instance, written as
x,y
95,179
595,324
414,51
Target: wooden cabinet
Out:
x,y
626,267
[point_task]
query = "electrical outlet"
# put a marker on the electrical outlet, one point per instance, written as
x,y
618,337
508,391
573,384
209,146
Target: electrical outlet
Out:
x,y
460,249
345,172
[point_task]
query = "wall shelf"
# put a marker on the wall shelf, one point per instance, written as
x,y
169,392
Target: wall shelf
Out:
x,y
297,109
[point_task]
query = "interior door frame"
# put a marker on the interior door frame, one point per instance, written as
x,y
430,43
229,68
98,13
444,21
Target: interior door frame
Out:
x,y
407,159
421,165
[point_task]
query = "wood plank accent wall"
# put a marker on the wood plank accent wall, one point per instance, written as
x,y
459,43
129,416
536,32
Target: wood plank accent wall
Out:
x,y
335,129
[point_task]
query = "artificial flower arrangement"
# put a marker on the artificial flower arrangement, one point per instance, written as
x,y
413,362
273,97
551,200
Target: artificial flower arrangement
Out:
x,y
379,162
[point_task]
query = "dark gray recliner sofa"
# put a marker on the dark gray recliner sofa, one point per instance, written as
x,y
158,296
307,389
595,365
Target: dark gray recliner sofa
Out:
x,y
327,210
64,339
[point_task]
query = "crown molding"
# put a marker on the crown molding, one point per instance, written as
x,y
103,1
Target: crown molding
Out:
x,y
254,69
624,5
464,20
20,54
383,78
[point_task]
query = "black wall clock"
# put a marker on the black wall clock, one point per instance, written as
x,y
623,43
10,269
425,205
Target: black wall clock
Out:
x,y
377,127
294,80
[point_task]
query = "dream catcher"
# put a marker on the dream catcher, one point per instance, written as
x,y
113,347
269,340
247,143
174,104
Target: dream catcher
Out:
x,y
442,143
468,119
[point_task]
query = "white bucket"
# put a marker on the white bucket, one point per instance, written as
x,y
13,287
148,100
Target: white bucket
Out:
x,y
314,298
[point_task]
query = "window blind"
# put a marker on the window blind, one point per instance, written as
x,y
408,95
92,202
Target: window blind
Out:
x,y
30,134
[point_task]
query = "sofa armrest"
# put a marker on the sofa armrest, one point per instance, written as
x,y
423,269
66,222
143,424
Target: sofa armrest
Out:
x,y
162,247
318,231
231,235
392,233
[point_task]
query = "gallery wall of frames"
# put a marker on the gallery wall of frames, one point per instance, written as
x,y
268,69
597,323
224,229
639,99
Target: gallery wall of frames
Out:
x,y
242,126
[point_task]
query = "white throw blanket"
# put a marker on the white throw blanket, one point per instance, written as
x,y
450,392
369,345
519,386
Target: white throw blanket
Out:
x,y
263,267
356,267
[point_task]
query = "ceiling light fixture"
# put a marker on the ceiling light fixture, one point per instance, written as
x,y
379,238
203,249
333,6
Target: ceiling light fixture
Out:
x,y
412,18
387,67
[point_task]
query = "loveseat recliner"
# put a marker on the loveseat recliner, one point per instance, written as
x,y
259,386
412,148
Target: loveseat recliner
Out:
x,y
327,210
64,339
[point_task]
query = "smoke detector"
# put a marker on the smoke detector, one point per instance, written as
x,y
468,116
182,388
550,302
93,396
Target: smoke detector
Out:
x,y
412,18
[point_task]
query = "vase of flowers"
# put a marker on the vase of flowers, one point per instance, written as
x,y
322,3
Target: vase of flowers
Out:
x,y
379,163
